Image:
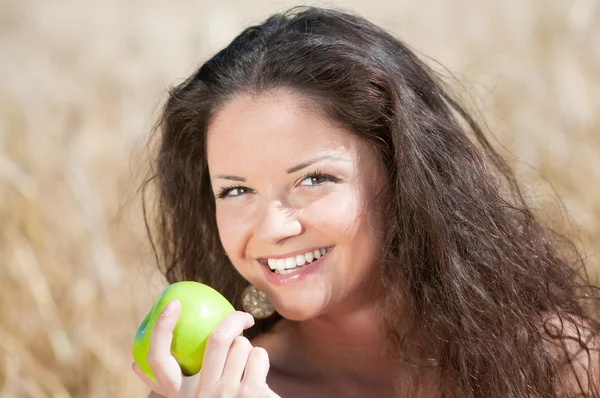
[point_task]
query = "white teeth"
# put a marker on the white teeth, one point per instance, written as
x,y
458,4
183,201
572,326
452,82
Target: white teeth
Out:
x,y
280,264
287,265
285,271
290,262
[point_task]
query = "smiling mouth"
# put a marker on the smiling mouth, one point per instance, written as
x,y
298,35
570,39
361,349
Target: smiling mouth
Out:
x,y
294,263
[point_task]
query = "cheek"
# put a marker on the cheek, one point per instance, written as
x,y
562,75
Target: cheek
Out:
x,y
338,215
232,230
351,220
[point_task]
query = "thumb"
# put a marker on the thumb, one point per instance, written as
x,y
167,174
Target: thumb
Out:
x,y
164,366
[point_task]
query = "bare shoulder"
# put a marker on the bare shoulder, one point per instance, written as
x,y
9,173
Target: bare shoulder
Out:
x,y
576,345
280,378
275,342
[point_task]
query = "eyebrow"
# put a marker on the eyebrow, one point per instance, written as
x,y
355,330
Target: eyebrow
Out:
x,y
228,177
315,160
291,170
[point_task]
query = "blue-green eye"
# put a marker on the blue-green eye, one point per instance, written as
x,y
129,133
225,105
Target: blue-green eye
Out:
x,y
233,191
316,178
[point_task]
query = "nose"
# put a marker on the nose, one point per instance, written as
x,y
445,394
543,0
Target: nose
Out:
x,y
276,223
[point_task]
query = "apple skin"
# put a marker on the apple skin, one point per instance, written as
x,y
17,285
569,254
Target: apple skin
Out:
x,y
202,309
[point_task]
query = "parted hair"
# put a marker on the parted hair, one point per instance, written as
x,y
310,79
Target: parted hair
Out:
x,y
471,277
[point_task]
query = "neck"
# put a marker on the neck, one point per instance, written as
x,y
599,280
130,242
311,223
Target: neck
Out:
x,y
344,345
347,350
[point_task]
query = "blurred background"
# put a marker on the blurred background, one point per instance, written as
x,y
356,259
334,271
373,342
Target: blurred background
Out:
x,y
81,84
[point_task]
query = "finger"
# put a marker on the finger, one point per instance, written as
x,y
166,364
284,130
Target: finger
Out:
x,y
236,360
219,342
165,368
257,367
155,387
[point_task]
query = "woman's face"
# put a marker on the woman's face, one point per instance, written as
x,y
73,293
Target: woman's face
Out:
x,y
296,203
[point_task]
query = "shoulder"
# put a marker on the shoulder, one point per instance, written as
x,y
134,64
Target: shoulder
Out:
x,y
278,380
575,344
276,341
276,348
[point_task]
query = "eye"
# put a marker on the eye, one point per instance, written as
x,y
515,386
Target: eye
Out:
x,y
233,191
316,178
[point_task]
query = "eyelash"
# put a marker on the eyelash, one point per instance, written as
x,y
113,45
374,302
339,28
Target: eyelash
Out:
x,y
223,192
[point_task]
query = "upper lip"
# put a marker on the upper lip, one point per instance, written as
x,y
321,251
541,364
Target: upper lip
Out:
x,y
293,254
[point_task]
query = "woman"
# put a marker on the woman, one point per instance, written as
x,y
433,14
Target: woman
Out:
x,y
317,162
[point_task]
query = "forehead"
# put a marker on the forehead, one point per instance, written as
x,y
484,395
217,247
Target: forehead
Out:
x,y
275,125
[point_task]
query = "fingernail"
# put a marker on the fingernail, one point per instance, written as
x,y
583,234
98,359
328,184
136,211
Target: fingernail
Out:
x,y
169,308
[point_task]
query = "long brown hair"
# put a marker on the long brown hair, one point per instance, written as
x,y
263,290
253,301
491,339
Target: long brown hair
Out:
x,y
472,271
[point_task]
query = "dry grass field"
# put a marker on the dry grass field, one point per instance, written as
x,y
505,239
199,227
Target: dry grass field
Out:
x,y
80,86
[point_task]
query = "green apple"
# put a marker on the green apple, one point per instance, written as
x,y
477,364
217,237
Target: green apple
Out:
x,y
202,309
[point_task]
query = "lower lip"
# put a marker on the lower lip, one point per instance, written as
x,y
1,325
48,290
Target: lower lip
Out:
x,y
293,277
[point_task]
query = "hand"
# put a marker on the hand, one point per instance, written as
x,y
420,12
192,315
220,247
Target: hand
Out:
x,y
231,367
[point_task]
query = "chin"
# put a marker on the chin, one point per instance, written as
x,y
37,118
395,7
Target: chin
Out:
x,y
296,313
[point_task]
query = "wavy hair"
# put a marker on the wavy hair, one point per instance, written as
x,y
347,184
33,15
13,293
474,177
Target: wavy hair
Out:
x,y
483,287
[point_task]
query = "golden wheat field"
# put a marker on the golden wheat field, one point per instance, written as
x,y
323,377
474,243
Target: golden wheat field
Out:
x,y
80,87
